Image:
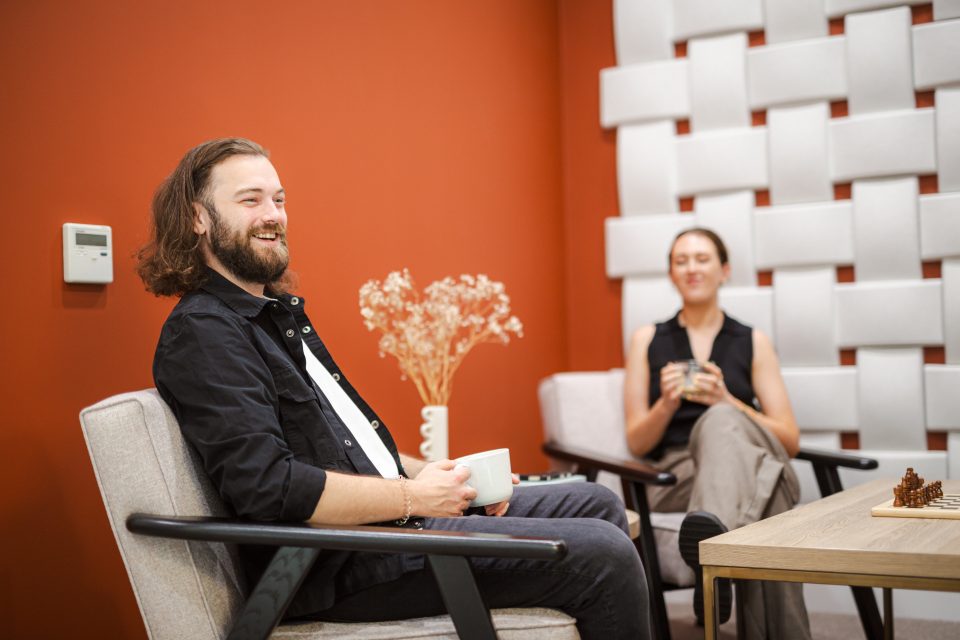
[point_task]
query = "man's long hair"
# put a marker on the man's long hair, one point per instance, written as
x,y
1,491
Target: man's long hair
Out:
x,y
171,263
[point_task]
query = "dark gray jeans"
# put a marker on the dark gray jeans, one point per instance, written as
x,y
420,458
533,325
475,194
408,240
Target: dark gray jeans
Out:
x,y
600,582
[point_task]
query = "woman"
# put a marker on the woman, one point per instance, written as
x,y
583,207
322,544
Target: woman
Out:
x,y
728,438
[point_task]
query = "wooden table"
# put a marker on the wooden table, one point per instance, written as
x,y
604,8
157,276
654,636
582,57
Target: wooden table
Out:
x,y
836,541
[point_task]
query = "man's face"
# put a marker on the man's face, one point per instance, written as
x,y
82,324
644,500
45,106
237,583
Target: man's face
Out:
x,y
244,219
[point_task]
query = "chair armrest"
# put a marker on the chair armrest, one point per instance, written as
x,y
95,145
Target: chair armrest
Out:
x,y
360,538
627,469
836,459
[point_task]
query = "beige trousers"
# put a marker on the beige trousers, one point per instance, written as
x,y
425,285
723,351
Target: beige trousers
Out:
x,y
738,471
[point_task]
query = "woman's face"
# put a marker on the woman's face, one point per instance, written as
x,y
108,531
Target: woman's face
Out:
x,y
695,268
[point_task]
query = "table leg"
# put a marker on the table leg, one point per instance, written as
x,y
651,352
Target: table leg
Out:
x,y
887,614
709,604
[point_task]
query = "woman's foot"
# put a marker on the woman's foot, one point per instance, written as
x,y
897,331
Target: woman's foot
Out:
x,y
697,526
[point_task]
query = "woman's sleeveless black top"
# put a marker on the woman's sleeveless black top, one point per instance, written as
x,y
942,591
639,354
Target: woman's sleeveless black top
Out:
x,y
732,352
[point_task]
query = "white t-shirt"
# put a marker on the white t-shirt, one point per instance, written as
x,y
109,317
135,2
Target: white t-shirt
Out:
x,y
352,417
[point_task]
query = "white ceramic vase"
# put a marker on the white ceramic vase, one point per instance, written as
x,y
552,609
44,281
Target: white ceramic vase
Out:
x,y
434,432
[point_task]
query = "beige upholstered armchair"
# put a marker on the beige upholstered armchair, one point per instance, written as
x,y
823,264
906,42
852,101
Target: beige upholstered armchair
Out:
x,y
177,541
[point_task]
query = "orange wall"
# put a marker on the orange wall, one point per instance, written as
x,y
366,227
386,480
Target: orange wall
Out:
x,y
447,137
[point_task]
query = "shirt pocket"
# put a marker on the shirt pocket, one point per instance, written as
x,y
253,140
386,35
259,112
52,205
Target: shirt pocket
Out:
x,y
304,427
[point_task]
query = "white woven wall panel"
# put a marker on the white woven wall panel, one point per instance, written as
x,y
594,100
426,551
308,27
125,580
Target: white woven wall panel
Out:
x,y
646,177
936,54
803,314
879,71
722,160
886,229
890,399
836,8
646,300
797,141
942,385
704,17
823,398
950,277
797,72
948,138
892,464
889,313
809,489
953,455
638,245
940,226
718,83
642,30
896,143
786,20
944,9
750,305
803,235
642,92
731,216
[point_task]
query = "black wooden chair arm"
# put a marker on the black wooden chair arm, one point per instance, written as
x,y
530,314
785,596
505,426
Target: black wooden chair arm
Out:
x,y
837,459
627,469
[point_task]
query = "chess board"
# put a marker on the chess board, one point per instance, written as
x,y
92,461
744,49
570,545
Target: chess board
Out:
x,y
946,507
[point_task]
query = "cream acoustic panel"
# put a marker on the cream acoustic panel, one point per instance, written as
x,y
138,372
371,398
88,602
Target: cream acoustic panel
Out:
x,y
625,96
804,235
936,54
876,145
948,138
890,398
953,455
703,17
721,161
889,313
879,71
718,83
642,30
836,8
950,277
891,464
750,305
646,300
786,20
942,386
639,245
823,398
646,173
829,441
940,226
731,216
797,72
886,229
803,315
797,148
946,9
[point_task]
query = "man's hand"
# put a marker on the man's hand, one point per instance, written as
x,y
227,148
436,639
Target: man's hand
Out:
x,y
498,509
440,490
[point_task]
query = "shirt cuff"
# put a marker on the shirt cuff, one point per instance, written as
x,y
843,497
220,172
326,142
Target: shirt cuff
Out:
x,y
306,484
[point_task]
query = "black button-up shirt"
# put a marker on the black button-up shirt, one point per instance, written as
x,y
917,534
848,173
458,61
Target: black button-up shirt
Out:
x,y
232,369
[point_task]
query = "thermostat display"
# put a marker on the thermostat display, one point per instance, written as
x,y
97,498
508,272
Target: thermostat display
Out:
x,y
87,253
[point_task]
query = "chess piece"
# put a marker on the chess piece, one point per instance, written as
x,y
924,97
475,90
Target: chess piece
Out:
x,y
897,496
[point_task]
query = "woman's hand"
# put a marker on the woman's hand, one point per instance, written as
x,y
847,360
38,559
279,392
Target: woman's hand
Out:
x,y
710,387
671,385
498,509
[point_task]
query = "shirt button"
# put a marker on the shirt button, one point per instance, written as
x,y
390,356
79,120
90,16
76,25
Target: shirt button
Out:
x,y
348,443
419,524
336,377
294,301
274,305
291,333
306,329
375,424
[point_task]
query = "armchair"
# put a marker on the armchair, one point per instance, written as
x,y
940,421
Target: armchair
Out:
x,y
584,429
178,545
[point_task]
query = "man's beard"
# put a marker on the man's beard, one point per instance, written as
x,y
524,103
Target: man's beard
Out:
x,y
236,252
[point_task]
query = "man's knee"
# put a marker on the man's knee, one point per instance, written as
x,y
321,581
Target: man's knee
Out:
x,y
602,503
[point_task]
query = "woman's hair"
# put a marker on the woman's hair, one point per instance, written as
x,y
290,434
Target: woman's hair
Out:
x,y
706,233
171,263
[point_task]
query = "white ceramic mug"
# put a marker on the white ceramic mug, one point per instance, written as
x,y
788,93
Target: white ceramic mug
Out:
x,y
489,475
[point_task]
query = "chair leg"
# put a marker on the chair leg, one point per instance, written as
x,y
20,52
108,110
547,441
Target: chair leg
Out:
x,y
636,498
460,594
270,598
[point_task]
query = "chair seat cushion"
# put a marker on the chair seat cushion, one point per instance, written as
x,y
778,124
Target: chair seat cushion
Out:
x,y
511,624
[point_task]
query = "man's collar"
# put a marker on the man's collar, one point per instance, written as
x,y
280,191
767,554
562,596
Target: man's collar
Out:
x,y
236,298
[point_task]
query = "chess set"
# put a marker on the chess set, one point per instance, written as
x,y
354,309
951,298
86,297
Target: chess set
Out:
x,y
913,498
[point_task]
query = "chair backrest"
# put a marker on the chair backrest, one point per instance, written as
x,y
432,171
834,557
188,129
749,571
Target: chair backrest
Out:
x,y
185,590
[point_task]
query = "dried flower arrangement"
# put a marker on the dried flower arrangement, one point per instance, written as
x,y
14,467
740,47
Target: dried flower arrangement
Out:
x,y
430,333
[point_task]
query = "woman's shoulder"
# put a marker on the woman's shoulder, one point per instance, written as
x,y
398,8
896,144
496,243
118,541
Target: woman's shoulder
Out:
x,y
642,336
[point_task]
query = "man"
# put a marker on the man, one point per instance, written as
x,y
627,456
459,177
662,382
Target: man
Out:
x,y
285,437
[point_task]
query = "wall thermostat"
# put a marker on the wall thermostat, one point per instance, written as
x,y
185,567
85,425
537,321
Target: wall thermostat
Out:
x,y
87,253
